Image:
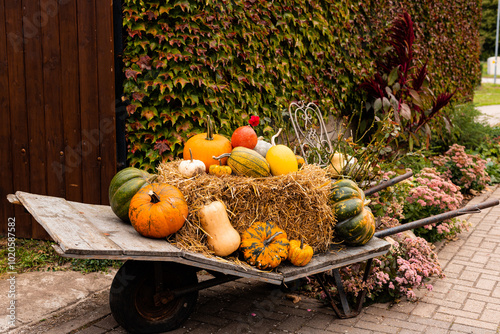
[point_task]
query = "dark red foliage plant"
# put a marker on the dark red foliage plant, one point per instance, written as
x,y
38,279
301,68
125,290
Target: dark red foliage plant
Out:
x,y
400,92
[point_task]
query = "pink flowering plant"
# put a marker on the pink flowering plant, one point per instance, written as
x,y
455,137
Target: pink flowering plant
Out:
x,y
430,195
407,266
387,205
465,170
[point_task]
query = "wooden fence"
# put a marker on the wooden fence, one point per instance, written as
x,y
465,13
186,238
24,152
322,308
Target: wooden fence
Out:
x,y
57,98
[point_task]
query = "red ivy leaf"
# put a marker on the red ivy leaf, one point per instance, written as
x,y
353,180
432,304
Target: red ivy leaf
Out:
x,y
131,74
162,146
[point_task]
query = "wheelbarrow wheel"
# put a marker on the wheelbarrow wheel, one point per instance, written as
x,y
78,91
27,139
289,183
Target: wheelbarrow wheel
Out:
x,y
134,295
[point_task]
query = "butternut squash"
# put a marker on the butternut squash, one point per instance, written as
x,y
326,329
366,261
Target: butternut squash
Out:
x,y
222,238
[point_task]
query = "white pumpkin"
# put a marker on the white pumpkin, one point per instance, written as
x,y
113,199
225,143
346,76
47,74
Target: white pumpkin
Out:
x,y
262,147
190,168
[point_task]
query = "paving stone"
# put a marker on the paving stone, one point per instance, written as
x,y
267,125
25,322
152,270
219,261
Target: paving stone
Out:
x,y
335,328
107,323
457,296
490,315
92,330
292,323
319,321
453,268
432,323
470,275
485,284
475,306
424,310
474,325
384,328
496,292
444,317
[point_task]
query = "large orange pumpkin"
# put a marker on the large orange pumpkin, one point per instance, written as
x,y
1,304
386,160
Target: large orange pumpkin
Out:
x,y
158,210
207,145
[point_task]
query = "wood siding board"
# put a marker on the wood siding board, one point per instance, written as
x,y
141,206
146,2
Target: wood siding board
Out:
x,y
6,184
70,100
105,53
32,21
52,98
18,113
89,97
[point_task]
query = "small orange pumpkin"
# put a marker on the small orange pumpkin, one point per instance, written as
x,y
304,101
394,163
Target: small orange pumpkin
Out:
x,y
158,210
206,145
264,245
299,254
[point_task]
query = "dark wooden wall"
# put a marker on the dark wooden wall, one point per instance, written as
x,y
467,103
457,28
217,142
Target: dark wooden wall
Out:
x,y
57,103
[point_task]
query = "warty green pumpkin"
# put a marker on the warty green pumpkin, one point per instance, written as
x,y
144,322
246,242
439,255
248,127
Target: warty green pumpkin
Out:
x,y
246,162
357,230
124,186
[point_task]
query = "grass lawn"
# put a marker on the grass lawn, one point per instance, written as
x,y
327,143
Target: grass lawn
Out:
x,y
38,255
487,94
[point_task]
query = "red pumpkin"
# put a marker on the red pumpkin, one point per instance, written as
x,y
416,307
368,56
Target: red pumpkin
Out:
x,y
158,210
244,136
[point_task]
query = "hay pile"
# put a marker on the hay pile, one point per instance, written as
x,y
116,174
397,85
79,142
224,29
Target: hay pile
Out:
x,y
296,202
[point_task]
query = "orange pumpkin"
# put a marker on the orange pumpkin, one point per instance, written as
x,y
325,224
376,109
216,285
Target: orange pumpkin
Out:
x,y
158,210
299,254
264,245
206,145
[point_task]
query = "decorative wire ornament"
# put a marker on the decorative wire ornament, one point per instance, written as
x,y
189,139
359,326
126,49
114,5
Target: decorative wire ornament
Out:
x,y
311,133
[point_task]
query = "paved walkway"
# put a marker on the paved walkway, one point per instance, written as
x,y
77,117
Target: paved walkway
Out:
x,y
466,301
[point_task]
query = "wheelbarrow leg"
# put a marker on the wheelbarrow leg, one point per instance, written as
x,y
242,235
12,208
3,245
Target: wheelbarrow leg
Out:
x,y
346,310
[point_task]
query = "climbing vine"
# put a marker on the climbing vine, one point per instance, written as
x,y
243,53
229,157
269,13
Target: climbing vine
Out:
x,y
187,59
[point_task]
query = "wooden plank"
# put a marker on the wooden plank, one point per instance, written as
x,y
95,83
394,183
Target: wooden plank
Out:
x,y
35,103
70,101
273,278
13,199
6,184
123,234
106,76
67,226
227,267
18,112
335,259
89,97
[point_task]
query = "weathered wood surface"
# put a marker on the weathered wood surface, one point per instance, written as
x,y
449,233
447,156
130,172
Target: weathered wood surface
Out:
x,y
94,232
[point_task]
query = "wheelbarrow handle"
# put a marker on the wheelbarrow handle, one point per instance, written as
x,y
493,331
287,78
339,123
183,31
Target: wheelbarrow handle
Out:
x,y
437,218
388,183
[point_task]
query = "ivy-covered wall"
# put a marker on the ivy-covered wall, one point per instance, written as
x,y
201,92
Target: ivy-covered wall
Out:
x,y
187,59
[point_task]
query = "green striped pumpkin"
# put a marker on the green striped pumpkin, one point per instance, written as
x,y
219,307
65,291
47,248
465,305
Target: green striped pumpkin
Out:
x,y
247,162
124,185
345,188
357,230
346,199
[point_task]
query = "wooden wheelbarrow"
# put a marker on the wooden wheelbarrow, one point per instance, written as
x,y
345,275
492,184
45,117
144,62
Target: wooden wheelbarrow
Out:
x,y
157,287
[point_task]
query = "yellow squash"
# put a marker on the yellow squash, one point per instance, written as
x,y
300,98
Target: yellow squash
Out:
x,y
281,158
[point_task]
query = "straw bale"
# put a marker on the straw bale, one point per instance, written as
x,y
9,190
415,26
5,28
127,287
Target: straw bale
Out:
x,y
296,202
